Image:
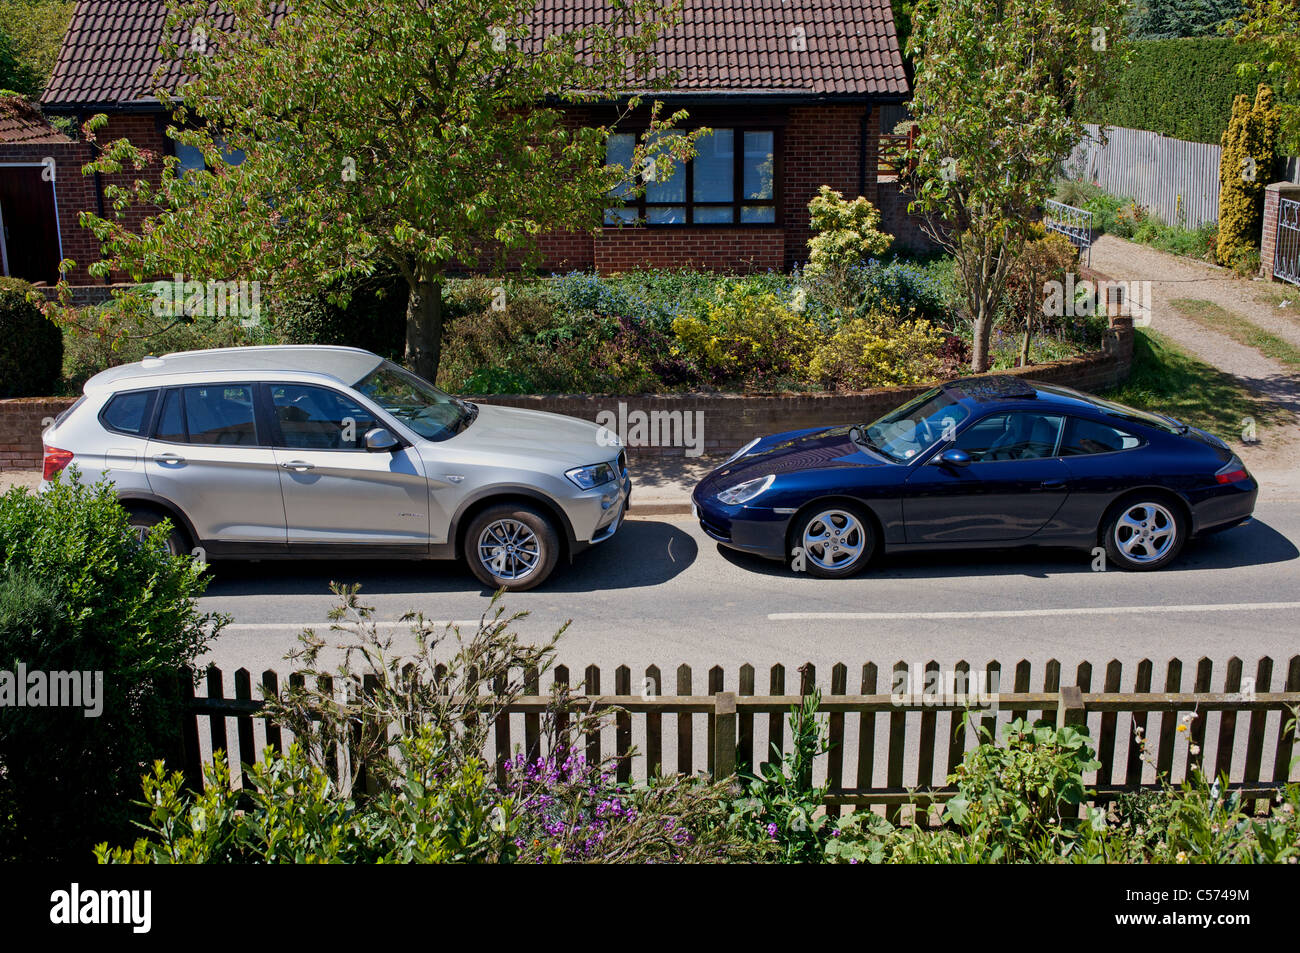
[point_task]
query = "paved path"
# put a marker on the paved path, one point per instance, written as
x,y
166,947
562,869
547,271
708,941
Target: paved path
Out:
x,y
1277,459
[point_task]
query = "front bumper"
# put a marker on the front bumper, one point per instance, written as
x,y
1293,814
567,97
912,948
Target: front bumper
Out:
x,y
750,529
598,514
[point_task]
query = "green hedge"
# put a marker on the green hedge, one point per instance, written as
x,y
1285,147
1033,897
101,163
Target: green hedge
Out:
x,y
31,346
1182,88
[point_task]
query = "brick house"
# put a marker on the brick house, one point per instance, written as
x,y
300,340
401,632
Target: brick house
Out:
x,y
793,89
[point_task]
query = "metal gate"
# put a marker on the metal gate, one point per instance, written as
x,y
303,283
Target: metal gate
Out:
x,y
1286,257
1074,223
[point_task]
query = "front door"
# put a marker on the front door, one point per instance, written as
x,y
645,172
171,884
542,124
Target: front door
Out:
x,y
29,230
335,491
1014,484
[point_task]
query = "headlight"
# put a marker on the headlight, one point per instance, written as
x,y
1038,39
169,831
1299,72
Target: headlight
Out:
x,y
742,451
591,476
744,492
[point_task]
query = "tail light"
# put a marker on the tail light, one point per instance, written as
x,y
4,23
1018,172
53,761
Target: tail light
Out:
x,y
1234,471
56,460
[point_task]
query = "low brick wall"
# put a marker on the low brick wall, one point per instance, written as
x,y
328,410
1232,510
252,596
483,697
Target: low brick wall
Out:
x,y
21,423
713,424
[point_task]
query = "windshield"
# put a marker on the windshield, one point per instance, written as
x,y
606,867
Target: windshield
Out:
x,y
916,426
415,402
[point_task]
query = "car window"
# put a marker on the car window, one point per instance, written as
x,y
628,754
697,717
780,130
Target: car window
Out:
x,y
1011,436
129,413
1088,436
317,418
919,424
171,425
220,414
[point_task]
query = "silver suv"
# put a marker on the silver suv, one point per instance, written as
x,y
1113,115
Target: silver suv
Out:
x,y
305,452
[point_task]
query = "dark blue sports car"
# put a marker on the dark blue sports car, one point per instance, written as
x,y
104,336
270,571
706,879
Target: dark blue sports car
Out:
x,y
978,463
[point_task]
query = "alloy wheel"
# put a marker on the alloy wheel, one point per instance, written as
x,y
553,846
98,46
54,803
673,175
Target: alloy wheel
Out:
x,y
1145,532
509,549
834,539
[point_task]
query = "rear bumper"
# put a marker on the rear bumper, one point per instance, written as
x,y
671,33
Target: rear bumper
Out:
x,y
1224,507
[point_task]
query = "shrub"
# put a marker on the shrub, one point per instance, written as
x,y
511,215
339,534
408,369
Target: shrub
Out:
x,y
847,232
1047,258
79,593
124,329
431,798
31,346
878,350
746,334
1245,168
368,313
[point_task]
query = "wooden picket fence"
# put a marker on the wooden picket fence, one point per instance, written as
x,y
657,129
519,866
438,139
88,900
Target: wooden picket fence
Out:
x,y
886,743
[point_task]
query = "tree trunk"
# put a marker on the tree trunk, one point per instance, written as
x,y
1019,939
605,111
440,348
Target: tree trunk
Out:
x,y
1024,345
424,328
982,330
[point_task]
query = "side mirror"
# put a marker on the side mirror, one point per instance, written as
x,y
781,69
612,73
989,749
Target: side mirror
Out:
x,y
380,440
954,458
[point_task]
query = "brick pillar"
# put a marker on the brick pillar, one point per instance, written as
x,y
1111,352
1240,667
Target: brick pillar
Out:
x,y
1268,237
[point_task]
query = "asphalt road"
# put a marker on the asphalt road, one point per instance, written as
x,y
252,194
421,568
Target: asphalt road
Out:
x,y
661,592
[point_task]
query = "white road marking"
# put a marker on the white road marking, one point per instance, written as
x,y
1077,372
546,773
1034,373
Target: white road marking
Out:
x,y
1031,613
325,626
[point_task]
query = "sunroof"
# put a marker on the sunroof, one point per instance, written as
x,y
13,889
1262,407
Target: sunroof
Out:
x,y
993,387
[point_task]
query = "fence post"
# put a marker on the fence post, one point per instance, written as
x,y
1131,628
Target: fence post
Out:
x,y
1069,707
724,734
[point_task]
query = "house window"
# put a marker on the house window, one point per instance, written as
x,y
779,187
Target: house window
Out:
x,y
731,180
192,159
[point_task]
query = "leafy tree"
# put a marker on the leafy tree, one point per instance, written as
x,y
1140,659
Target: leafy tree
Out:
x,y
1272,29
35,30
996,86
410,135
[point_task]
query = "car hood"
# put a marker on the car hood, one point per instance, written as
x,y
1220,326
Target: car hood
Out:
x,y
533,437
798,450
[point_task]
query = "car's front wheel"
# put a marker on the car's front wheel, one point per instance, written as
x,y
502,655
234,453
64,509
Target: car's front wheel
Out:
x,y
511,547
833,541
1144,534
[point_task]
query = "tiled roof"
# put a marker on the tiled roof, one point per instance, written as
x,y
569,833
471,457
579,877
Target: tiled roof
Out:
x,y
809,47
21,122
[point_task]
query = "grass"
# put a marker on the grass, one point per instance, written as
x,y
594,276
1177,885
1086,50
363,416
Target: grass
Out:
x,y
1167,380
1210,315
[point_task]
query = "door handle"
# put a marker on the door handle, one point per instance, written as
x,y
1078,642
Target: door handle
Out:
x,y
168,458
298,466
1052,484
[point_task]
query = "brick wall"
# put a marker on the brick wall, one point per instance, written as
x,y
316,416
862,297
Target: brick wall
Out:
x,y
728,420
897,221
1268,237
707,249
822,146
21,423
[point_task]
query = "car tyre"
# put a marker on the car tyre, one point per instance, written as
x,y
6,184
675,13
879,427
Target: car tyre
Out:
x,y
833,541
1144,533
511,547
143,521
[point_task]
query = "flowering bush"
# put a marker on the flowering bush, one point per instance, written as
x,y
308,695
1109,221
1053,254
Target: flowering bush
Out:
x,y
848,232
746,333
877,351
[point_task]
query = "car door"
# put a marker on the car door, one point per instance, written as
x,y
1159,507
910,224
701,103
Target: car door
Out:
x,y
335,491
208,456
1012,487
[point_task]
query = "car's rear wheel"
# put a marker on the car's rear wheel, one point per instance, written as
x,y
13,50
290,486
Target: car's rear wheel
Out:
x,y
142,523
1144,533
833,541
511,547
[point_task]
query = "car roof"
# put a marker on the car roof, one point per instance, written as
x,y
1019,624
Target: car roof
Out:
x,y
1011,389
347,365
